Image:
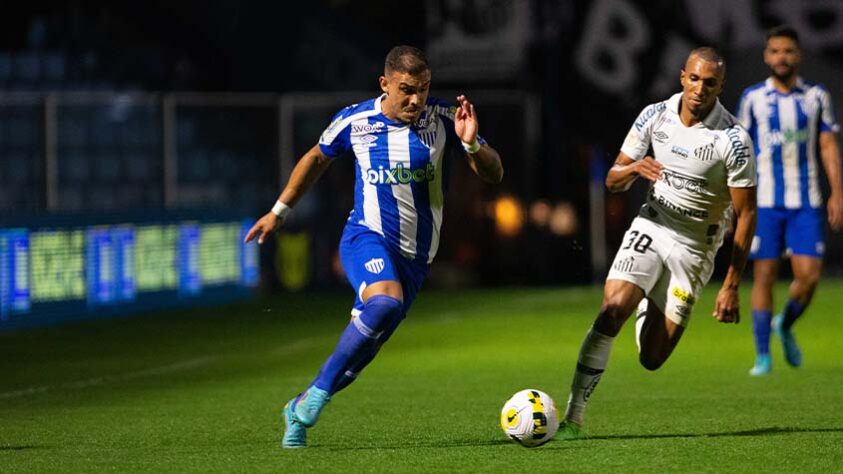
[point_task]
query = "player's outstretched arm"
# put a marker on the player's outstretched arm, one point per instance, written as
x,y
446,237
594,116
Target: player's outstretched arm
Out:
x,y
306,172
483,159
830,154
626,170
726,307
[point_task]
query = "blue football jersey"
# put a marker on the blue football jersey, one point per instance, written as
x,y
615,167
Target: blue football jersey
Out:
x,y
785,128
399,175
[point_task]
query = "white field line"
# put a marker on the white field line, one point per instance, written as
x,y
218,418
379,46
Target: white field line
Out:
x,y
293,347
184,365
94,381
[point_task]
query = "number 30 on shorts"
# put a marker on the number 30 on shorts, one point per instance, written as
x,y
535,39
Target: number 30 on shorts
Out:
x,y
638,241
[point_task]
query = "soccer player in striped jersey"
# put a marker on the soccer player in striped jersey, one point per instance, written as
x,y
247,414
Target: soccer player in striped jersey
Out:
x,y
702,174
400,141
790,120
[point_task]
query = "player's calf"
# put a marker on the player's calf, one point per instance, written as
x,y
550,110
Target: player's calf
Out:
x,y
359,339
656,336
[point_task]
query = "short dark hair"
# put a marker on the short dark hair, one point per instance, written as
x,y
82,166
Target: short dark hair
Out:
x,y
783,30
707,53
406,59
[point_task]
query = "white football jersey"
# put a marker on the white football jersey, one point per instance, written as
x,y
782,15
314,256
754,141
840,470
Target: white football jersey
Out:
x,y
701,163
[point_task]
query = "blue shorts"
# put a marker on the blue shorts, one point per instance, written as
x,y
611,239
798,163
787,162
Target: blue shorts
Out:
x,y
799,231
367,259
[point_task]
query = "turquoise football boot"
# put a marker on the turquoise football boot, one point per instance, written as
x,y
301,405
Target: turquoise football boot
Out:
x,y
295,433
763,365
792,354
309,405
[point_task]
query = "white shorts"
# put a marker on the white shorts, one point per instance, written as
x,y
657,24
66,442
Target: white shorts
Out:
x,y
671,274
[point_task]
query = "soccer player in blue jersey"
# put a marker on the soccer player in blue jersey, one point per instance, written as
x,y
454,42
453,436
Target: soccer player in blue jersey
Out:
x,y
789,120
399,141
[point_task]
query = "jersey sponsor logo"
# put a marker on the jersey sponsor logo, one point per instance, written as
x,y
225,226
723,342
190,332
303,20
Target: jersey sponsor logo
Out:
x,y
367,127
648,113
740,150
375,265
679,151
330,130
632,140
626,265
680,181
683,296
660,136
705,152
683,211
400,175
784,137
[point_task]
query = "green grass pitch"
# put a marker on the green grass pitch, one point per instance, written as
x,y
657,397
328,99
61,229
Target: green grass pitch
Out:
x,y
201,391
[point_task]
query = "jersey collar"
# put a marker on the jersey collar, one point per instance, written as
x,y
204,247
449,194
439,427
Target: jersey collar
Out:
x,y
800,86
710,121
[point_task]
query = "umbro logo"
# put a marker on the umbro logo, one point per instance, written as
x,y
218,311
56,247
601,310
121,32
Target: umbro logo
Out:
x,y
374,265
660,136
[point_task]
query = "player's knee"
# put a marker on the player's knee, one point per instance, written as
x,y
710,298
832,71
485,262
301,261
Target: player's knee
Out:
x,y
763,281
612,317
803,288
381,312
809,282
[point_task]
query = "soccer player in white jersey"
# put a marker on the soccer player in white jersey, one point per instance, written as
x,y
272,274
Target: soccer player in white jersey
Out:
x,y
702,173
789,119
399,141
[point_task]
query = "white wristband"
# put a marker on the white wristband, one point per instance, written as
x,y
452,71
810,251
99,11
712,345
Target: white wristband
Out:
x,y
281,210
472,148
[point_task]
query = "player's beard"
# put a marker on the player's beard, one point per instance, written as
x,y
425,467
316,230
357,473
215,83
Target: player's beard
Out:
x,y
783,74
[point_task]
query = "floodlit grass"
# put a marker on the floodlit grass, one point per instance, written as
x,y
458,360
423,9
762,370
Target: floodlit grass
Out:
x,y
202,391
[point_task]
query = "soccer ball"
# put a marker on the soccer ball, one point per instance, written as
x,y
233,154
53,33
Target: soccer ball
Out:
x,y
530,418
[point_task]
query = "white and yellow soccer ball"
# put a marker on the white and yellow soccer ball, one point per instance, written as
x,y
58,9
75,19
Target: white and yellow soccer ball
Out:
x,y
530,418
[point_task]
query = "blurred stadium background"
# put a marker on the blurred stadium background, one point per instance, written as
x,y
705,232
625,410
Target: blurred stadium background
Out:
x,y
138,140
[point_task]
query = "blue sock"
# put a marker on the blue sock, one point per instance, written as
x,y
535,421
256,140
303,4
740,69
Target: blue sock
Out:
x,y
792,310
350,375
359,338
761,330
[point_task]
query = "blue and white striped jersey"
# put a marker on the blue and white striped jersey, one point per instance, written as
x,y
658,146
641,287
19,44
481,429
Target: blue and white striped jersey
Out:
x,y
399,181
785,128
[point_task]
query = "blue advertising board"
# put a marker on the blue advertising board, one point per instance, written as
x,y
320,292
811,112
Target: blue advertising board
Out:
x,y
53,270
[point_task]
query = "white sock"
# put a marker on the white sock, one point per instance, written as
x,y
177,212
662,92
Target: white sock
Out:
x,y
594,356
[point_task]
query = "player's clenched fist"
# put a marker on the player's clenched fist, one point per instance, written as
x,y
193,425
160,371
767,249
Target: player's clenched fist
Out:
x,y
648,168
